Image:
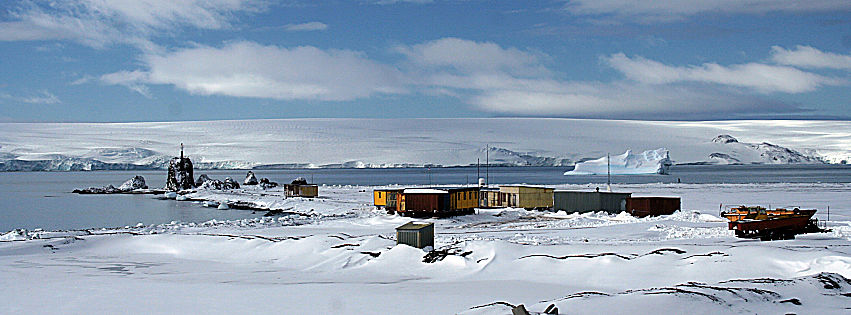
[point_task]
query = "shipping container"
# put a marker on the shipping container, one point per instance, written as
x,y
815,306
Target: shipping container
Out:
x,y
652,206
529,197
587,201
438,201
416,234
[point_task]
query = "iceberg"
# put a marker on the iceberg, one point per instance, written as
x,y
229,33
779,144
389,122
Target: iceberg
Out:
x,y
647,162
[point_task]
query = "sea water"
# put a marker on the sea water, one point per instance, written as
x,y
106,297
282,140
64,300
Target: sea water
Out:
x,y
44,200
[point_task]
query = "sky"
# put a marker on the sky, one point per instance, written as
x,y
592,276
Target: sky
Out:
x,y
168,60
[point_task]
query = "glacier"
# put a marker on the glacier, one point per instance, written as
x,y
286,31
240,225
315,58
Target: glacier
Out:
x,y
647,162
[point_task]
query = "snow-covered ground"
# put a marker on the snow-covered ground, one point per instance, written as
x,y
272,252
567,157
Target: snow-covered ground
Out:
x,y
338,256
412,142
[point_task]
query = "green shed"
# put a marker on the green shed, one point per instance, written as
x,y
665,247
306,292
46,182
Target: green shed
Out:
x,y
416,234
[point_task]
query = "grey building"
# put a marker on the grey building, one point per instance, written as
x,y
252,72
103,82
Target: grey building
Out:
x,y
416,234
586,201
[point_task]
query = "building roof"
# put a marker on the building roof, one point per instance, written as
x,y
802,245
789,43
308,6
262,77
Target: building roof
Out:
x,y
414,225
425,191
389,189
527,186
592,192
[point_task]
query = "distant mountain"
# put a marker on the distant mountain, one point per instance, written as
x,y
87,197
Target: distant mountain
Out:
x,y
735,152
380,143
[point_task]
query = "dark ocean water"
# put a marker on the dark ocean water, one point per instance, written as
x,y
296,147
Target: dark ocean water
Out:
x,y
44,200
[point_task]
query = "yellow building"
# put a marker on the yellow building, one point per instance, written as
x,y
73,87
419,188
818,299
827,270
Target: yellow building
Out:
x,y
386,198
528,197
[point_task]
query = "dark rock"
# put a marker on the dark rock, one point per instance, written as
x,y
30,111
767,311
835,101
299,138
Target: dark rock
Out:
x,y
201,180
250,179
266,183
180,175
98,190
299,181
229,183
725,139
212,184
137,182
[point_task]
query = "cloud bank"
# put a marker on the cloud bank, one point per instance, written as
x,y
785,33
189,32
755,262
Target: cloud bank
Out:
x,y
666,11
492,78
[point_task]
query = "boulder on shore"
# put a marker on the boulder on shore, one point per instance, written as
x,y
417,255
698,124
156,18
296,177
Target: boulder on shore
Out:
x,y
229,183
201,180
266,183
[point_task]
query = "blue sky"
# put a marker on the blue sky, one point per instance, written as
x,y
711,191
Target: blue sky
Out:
x,y
158,60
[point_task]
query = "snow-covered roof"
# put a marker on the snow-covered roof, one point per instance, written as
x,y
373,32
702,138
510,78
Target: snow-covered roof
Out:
x,y
424,191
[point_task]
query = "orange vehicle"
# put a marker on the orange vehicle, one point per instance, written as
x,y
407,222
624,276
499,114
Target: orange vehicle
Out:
x,y
765,224
761,213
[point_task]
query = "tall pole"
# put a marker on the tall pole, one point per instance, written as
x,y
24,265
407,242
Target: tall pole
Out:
x,y
608,172
477,171
487,165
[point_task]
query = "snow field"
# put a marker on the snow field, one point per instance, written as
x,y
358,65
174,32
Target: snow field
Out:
x,y
338,255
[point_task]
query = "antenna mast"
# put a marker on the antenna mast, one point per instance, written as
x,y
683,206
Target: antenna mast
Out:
x,y
487,165
608,173
181,151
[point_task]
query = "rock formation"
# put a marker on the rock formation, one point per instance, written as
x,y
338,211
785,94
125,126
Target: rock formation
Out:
x,y
180,173
250,179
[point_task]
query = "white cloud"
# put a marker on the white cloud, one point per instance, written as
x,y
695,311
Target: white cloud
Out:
x,y
651,11
809,57
43,97
760,77
99,23
516,82
247,69
471,56
625,100
493,78
133,80
309,26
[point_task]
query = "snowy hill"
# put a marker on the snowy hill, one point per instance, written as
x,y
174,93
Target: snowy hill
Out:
x,y
411,142
766,153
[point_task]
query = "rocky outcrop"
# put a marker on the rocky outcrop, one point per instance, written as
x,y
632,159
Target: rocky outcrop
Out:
x,y
201,180
250,179
229,183
137,182
299,181
180,175
724,139
265,183
98,190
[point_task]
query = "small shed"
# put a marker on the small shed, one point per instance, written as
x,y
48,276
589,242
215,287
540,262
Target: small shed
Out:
x,y
302,190
529,197
587,201
652,206
416,234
